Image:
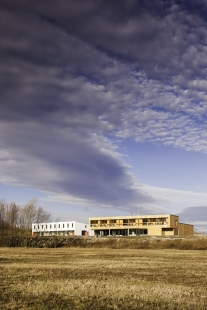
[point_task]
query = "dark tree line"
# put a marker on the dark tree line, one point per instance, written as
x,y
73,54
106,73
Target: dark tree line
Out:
x,y
17,221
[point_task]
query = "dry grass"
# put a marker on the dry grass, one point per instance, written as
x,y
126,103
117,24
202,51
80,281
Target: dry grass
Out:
x,y
187,243
102,279
138,242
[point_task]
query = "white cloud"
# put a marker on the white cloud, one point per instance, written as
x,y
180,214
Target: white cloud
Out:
x,y
175,200
71,87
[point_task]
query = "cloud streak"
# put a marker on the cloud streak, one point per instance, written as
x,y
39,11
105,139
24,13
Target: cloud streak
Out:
x,y
76,76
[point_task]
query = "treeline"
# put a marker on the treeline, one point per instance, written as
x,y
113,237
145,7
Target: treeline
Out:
x,y
16,221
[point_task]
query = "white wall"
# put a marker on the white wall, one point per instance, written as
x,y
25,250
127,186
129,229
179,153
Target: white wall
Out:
x,y
77,227
54,226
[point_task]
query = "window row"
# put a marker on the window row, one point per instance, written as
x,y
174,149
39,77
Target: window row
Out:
x,y
128,222
51,226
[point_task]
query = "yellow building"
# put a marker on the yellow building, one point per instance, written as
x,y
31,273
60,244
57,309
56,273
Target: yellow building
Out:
x,y
151,225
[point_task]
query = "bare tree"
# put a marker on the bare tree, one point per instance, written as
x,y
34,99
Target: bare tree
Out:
x,y
27,214
16,220
13,213
3,225
42,216
31,213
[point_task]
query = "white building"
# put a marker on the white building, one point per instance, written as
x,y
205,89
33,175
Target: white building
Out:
x,y
71,228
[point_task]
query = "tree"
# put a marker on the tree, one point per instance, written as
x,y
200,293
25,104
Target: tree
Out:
x,y
16,220
42,216
27,214
12,215
31,213
3,223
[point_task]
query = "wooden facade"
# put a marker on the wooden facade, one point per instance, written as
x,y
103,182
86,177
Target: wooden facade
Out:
x,y
151,225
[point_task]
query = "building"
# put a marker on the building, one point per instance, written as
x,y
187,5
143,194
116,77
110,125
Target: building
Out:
x,y
151,225
71,228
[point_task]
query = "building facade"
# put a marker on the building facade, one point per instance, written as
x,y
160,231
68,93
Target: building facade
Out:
x,y
151,225
70,228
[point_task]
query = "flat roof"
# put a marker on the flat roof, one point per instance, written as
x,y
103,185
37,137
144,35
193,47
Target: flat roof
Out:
x,y
45,223
132,216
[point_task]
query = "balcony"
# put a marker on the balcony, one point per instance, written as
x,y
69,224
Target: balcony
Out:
x,y
154,223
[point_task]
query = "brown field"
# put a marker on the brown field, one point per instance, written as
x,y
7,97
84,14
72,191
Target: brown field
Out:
x,y
102,279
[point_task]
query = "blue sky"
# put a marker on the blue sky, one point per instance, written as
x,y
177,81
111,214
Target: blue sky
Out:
x,y
103,107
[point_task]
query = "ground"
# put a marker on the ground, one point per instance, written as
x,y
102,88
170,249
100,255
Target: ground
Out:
x,y
102,279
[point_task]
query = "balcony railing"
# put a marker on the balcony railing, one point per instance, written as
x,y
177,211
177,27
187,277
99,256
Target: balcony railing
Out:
x,y
110,225
155,223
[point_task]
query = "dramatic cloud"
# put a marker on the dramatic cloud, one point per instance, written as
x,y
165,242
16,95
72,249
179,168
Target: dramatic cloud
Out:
x,y
76,76
195,215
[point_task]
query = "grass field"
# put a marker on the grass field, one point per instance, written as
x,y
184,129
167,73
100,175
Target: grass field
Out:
x,y
102,279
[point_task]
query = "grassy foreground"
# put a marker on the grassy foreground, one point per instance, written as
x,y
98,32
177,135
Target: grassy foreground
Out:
x,y
102,279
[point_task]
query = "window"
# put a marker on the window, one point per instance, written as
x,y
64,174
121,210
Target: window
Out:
x,y
112,221
38,226
72,224
85,226
46,226
125,222
50,226
94,222
67,225
63,225
103,222
42,226
54,225
58,225
34,226
132,220
176,223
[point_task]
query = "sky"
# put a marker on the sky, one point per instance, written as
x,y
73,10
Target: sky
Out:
x,y
103,107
